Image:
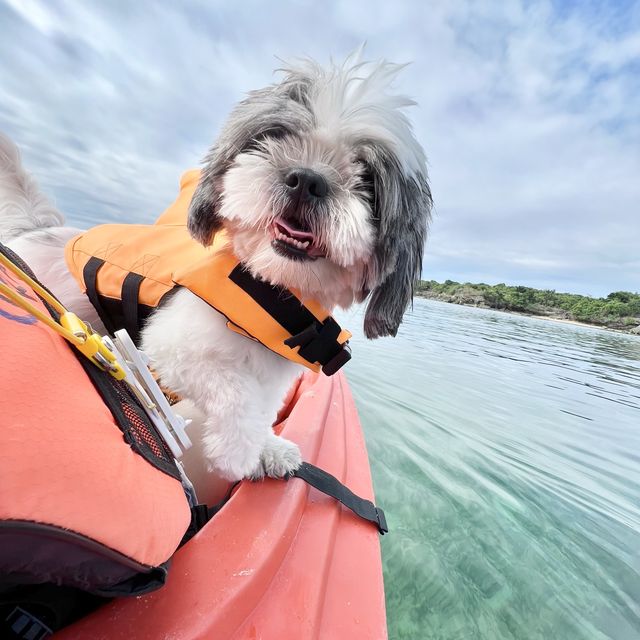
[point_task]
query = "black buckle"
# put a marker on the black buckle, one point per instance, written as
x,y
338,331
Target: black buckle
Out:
x,y
338,361
319,343
304,338
25,625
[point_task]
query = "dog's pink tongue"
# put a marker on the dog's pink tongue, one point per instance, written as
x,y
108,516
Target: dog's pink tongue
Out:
x,y
296,234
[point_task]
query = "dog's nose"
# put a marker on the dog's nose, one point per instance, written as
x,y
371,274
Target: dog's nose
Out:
x,y
306,184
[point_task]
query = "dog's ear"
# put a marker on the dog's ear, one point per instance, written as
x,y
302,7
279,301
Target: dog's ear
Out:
x,y
204,211
204,219
402,211
260,113
239,129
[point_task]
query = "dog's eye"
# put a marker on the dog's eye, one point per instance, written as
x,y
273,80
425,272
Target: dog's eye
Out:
x,y
367,181
272,133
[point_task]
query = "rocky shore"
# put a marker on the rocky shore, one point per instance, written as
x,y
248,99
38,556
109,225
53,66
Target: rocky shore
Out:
x,y
604,313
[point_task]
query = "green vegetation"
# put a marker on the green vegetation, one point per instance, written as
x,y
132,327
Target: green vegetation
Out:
x,y
619,310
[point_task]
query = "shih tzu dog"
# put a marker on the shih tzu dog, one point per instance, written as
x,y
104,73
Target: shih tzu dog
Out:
x,y
322,188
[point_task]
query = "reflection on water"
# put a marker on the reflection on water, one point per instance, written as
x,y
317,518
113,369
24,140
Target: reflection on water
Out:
x,y
506,453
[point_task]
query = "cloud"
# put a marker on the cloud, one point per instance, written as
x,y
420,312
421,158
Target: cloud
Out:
x,y
528,112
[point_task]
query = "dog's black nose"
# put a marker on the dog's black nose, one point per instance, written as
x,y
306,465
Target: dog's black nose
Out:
x,y
306,184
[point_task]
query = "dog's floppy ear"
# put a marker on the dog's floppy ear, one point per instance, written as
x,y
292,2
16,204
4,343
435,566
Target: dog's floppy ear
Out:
x,y
245,120
204,219
402,208
261,112
204,211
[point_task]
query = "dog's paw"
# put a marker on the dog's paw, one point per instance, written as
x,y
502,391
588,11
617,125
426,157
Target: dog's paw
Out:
x,y
279,458
230,462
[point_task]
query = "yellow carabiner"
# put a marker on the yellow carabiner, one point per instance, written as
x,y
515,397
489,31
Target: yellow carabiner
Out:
x,y
69,326
92,345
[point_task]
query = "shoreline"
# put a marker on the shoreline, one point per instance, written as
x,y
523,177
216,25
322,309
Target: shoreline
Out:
x,y
628,332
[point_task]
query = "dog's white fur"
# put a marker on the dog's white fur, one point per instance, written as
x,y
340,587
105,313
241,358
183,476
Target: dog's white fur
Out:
x,y
346,124
236,384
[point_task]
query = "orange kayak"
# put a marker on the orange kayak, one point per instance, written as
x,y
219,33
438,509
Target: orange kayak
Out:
x,y
280,560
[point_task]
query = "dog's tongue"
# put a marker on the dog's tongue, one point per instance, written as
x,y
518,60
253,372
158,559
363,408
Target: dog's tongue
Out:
x,y
296,234
312,250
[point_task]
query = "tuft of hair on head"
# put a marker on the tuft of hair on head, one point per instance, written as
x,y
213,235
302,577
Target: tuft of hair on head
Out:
x,y
356,102
358,94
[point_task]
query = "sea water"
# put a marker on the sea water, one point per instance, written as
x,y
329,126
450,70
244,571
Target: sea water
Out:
x,y
505,451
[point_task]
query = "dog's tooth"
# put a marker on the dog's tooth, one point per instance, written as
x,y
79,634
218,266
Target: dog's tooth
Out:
x,y
294,242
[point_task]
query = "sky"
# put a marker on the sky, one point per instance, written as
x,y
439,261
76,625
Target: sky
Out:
x,y
529,113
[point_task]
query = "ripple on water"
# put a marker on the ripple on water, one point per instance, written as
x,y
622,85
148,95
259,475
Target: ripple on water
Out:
x,y
506,453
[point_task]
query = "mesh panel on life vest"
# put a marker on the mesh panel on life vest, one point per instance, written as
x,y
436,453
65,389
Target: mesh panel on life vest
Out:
x,y
132,420
142,435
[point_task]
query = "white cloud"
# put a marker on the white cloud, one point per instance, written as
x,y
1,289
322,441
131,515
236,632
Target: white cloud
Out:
x,y
528,116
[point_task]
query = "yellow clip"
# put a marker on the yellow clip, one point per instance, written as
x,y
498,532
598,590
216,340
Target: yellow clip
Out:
x,y
92,345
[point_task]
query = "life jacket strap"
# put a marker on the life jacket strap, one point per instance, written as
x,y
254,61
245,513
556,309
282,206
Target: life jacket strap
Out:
x,y
126,312
130,304
330,485
90,278
319,343
318,340
317,478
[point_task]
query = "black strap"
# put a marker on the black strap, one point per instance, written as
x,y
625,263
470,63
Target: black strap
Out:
x,y
314,476
318,341
278,302
90,278
326,483
130,305
201,514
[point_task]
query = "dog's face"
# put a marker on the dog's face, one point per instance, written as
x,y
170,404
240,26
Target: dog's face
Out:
x,y
323,189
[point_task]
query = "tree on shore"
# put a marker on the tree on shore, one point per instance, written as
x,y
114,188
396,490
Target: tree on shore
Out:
x,y
620,309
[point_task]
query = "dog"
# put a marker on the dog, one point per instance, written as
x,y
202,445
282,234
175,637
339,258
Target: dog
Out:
x,y
322,187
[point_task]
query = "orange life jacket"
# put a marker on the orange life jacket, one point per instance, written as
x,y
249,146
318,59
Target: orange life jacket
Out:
x,y
89,495
126,270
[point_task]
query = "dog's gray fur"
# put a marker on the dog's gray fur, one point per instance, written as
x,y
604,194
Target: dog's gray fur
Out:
x,y
369,152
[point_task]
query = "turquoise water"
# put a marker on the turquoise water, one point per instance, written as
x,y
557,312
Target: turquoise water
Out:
x,y
506,453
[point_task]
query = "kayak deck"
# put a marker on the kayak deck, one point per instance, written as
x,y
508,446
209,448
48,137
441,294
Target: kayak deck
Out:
x,y
280,560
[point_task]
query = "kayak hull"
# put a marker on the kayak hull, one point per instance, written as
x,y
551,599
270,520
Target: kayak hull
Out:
x,y
280,560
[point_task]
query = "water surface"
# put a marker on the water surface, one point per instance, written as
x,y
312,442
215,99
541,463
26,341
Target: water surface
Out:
x,y
506,453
